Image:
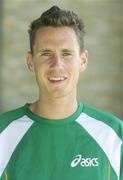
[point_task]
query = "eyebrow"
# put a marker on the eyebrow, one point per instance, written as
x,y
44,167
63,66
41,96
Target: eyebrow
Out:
x,y
44,50
49,50
67,50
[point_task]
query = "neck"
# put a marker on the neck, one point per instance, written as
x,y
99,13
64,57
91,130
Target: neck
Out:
x,y
57,108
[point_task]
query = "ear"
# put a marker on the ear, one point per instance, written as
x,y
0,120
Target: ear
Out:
x,y
84,60
30,63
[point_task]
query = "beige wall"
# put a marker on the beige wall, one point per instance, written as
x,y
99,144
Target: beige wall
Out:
x,y
102,83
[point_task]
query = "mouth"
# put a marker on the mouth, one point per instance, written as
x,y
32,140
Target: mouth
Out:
x,y
56,79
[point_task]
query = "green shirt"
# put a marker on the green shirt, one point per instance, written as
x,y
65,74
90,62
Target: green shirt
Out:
x,y
88,145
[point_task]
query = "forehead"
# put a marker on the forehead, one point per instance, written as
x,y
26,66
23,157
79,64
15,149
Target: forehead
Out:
x,y
56,36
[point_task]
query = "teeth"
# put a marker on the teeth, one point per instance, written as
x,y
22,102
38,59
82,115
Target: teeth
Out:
x,y
56,78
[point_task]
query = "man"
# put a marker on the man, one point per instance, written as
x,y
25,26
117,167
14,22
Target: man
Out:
x,y
58,137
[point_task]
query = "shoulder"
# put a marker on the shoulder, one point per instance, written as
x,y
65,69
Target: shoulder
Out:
x,y
105,117
7,117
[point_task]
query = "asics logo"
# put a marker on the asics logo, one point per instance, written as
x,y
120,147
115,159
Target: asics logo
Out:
x,y
84,162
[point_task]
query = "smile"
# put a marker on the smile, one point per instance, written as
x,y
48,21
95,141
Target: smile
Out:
x,y
57,78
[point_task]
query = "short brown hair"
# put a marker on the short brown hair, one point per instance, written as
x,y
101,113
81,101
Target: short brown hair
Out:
x,y
57,17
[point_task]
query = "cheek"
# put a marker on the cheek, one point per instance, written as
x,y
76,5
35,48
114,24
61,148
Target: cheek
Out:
x,y
75,71
76,66
38,72
39,68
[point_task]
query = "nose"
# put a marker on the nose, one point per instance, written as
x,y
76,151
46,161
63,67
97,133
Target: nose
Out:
x,y
56,61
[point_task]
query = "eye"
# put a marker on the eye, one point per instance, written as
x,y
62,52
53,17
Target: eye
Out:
x,y
46,54
67,54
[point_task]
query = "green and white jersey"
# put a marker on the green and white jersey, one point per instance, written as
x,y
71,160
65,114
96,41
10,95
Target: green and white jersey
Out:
x,y
88,145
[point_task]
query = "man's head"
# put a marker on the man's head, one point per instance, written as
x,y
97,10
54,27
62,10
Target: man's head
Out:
x,y
57,56
57,17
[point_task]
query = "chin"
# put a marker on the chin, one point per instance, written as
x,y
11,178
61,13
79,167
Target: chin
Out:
x,y
60,94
